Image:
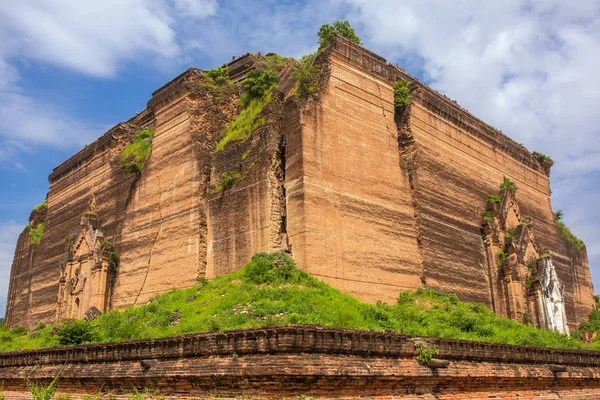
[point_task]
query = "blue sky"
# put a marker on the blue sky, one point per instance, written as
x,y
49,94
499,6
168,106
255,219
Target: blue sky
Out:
x,y
70,69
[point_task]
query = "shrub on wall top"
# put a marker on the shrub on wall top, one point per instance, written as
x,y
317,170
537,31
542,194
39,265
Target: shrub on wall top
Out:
x,y
328,33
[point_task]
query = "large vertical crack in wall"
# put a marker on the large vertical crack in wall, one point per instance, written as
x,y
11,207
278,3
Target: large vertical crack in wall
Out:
x,y
276,175
160,227
407,149
385,117
203,222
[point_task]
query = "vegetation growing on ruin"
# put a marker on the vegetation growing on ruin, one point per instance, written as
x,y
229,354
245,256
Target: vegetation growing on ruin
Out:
x,y
542,158
219,75
566,232
307,76
425,354
257,94
402,93
307,73
246,122
275,62
592,324
507,184
531,272
134,156
113,261
145,394
41,206
271,291
328,33
494,198
502,256
511,233
36,233
257,85
487,216
227,180
42,390
216,81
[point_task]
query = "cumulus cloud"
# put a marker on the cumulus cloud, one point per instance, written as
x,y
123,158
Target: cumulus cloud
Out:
x,y
89,38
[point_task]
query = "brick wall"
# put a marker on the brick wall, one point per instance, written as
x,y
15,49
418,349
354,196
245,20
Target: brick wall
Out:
x,y
310,361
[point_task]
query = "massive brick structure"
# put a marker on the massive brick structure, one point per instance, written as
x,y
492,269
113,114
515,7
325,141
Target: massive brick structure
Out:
x,y
372,198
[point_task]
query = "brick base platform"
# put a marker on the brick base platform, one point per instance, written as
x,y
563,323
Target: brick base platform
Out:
x,y
307,361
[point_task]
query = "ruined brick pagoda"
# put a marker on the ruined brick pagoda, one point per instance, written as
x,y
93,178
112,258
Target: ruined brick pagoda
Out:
x,y
370,197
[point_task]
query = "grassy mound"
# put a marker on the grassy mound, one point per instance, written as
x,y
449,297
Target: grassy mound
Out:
x,y
271,291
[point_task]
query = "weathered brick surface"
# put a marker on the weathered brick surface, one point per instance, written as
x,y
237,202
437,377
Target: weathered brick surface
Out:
x,y
369,201
248,217
352,219
367,223
319,362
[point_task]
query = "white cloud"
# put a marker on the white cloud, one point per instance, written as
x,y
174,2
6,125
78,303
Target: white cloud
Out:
x,y
195,8
25,122
90,38
527,67
241,26
9,233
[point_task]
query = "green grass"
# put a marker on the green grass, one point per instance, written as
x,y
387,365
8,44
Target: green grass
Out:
x,y
271,291
246,122
592,324
41,390
257,94
134,156
307,75
257,84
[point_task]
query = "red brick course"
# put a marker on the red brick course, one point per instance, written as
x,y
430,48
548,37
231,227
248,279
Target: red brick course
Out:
x,y
306,360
